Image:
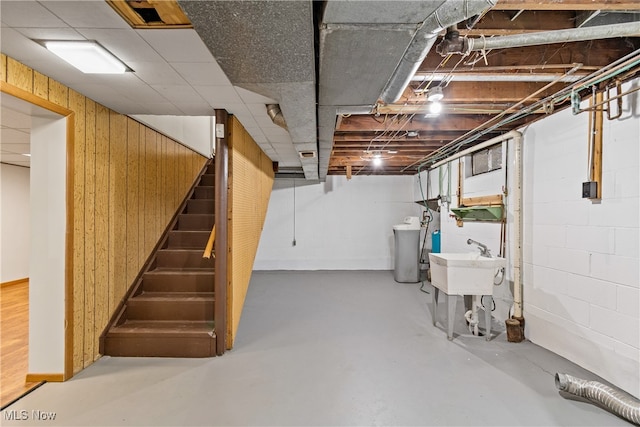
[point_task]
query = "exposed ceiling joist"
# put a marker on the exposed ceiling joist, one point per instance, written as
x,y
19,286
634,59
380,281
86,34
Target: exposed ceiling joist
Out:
x,y
567,5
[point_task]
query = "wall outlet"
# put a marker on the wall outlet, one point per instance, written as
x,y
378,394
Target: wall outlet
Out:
x,y
589,190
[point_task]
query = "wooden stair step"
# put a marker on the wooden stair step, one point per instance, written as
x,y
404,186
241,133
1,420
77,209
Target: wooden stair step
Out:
x,y
195,222
188,239
200,206
194,280
171,306
183,258
204,192
207,180
136,338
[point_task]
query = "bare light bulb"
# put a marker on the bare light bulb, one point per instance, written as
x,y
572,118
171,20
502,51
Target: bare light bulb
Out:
x,y
435,108
377,160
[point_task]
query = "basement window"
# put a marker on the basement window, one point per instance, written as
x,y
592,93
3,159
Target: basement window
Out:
x,y
486,160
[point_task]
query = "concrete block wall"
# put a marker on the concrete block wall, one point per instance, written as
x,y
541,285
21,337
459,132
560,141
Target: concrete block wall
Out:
x,y
339,224
582,269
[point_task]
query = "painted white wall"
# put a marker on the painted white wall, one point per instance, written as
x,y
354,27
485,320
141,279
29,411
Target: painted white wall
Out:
x,y
196,132
454,238
14,222
48,229
340,224
582,268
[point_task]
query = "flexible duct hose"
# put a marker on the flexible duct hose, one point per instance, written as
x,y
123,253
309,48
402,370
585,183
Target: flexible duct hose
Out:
x,y
614,400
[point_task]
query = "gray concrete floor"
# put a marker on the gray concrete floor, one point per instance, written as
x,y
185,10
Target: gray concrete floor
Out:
x,y
328,348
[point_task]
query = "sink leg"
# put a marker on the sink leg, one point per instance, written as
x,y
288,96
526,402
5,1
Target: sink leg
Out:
x,y
487,316
434,304
451,311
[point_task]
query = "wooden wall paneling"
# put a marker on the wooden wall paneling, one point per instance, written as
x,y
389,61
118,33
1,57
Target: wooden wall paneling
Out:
x,y
103,282
132,208
90,228
149,199
58,93
41,86
118,162
159,214
181,169
142,191
3,67
19,75
77,104
171,176
167,203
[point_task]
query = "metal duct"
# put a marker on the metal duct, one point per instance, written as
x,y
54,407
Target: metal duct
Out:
x,y
449,13
612,399
628,29
276,116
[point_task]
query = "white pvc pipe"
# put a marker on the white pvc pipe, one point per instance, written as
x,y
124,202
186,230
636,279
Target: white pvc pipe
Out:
x,y
482,145
517,207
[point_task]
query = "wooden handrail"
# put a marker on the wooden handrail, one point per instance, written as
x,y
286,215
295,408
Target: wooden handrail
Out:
x,y
209,248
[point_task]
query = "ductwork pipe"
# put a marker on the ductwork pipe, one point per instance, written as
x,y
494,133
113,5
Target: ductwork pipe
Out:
x,y
627,29
276,116
449,13
614,400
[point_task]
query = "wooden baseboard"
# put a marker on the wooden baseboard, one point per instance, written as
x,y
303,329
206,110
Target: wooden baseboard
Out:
x,y
14,282
52,378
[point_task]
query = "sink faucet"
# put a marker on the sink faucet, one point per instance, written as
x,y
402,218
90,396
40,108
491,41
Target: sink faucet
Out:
x,y
484,251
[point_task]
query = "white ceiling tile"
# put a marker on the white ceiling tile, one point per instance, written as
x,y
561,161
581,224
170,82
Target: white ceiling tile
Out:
x,y
126,44
202,109
257,110
155,73
202,74
273,133
178,94
177,45
19,47
86,14
253,98
28,14
220,96
257,135
236,108
160,109
50,33
247,120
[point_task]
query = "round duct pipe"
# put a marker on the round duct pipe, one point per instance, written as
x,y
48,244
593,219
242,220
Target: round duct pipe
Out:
x,y
276,116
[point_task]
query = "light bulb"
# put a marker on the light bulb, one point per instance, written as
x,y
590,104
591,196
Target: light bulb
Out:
x,y
377,160
435,108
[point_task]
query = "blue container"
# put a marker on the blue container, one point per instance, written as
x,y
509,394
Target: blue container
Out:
x,y
435,242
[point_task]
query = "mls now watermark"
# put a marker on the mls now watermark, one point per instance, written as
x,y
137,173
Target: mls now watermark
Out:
x,y
24,415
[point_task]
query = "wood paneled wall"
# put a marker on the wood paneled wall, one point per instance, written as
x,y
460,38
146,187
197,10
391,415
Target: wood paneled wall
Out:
x,y
250,182
128,181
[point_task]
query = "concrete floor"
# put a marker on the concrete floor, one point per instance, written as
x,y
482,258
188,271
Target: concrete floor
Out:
x,y
328,348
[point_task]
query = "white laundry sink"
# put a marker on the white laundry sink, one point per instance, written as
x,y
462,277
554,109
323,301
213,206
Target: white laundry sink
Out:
x,y
464,273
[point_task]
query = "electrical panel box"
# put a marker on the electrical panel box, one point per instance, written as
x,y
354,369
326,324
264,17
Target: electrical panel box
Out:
x,y
589,190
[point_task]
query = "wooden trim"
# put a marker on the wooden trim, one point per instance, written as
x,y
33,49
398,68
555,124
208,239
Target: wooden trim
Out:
x,y
492,200
9,89
69,247
14,282
221,245
52,378
69,143
209,248
596,172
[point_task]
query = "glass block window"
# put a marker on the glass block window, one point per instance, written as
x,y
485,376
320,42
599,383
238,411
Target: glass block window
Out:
x,y
486,160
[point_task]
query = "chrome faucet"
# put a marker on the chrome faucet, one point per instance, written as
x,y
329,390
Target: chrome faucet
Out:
x,y
484,251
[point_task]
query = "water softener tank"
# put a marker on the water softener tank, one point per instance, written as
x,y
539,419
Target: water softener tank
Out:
x,y
435,242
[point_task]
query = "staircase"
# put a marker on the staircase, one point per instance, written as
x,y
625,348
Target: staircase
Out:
x,y
169,311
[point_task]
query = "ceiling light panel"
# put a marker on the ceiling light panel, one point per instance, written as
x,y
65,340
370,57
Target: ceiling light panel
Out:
x,y
87,56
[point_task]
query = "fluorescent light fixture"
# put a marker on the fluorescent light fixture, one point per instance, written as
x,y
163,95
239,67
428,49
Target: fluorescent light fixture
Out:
x,y
435,94
435,108
87,56
26,154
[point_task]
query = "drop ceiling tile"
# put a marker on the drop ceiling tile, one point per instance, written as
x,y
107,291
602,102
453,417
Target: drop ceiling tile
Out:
x,y
19,47
177,45
178,94
202,74
86,14
126,44
246,119
24,148
257,110
50,33
220,96
275,132
200,109
156,73
28,14
236,108
160,109
253,98
257,135
13,137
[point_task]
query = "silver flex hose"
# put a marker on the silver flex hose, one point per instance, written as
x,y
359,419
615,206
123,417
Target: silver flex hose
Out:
x,y
614,400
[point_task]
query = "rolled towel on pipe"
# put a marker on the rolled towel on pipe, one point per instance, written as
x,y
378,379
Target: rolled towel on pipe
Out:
x,y
614,400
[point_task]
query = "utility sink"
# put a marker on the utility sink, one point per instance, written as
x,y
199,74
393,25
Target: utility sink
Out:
x,y
464,273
